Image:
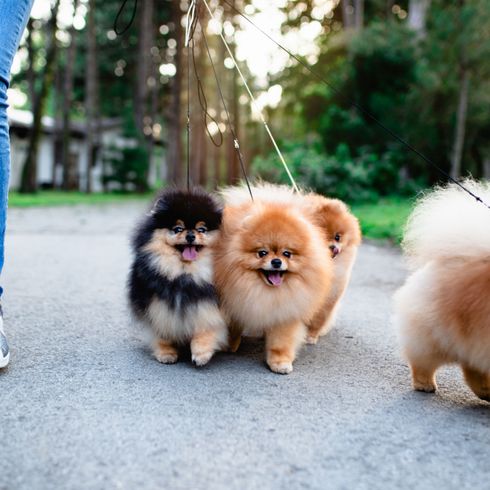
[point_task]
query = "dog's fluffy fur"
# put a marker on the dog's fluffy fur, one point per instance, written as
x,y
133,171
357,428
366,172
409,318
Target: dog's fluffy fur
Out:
x,y
257,298
443,310
171,279
340,229
343,236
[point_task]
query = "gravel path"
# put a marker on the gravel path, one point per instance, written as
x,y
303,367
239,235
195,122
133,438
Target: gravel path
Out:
x,y
84,406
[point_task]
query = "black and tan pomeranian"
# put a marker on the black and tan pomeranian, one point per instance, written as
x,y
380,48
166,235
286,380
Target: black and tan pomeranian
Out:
x,y
170,282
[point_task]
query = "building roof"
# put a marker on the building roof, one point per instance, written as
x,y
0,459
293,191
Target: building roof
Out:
x,y
22,120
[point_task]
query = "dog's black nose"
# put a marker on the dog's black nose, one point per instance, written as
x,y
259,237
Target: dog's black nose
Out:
x,y
276,263
190,237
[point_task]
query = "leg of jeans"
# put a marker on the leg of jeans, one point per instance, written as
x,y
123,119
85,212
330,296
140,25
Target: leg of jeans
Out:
x,y
13,19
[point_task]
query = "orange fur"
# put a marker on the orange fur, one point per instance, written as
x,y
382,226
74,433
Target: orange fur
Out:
x,y
204,344
443,309
343,235
444,317
165,352
255,307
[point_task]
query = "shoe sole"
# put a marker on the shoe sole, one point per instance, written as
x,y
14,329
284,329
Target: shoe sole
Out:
x,y
4,361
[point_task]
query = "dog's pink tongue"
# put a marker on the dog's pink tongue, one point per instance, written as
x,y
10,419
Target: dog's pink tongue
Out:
x,y
189,253
275,278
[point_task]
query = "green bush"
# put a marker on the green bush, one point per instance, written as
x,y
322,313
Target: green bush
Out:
x,y
127,169
360,178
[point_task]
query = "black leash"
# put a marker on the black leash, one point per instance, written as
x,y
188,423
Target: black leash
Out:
x,y
236,143
203,102
131,20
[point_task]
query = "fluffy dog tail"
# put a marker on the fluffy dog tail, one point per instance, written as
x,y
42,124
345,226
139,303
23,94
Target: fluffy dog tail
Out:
x,y
448,223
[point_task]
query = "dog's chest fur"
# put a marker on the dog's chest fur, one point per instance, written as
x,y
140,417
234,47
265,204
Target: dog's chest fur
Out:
x,y
174,298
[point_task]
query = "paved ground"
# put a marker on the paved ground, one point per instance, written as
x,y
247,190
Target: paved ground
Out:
x,y
84,406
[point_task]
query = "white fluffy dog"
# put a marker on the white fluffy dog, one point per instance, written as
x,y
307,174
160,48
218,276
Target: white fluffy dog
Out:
x,y
443,309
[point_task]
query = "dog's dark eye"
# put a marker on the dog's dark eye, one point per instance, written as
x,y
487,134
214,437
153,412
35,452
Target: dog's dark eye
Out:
x,y
201,229
287,254
337,237
177,229
262,253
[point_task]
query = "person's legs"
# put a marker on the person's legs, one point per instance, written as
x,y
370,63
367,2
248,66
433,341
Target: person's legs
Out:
x,y
13,19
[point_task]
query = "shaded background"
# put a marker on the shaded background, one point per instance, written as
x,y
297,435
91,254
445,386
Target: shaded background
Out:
x,y
92,111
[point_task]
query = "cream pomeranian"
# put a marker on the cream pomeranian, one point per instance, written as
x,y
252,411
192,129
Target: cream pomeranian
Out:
x,y
443,310
270,273
343,235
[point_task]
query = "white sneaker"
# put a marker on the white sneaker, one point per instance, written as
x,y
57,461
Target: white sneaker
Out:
x,y
4,347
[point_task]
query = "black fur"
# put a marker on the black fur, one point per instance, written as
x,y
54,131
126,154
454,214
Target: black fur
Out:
x,y
145,282
174,204
180,293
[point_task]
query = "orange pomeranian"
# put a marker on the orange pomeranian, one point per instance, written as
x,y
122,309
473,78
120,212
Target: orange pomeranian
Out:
x,y
271,275
343,236
443,309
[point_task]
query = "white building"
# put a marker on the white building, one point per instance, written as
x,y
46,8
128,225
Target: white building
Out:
x,y
49,174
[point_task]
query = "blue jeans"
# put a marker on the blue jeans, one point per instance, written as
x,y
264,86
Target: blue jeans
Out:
x,y
14,15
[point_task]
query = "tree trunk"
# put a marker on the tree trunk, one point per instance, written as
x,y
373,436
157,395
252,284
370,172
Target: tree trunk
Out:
x,y
417,15
91,96
174,144
29,170
70,167
358,14
151,173
146,101
348,14
30,76
197,124
486,168
57,164
203,159
143,67
459,133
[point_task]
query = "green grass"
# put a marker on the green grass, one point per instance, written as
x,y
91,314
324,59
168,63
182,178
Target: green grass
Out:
x,y
60,198
385,219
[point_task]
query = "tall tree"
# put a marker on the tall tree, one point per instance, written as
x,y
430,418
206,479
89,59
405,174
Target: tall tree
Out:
x,y
348,14
233,173
358,14
175,168
70,166
30,75
91,95
29,170
146,93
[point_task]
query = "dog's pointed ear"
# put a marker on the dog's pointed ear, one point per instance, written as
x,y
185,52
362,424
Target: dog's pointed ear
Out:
x,y
245,223
153,209
160,205
333,207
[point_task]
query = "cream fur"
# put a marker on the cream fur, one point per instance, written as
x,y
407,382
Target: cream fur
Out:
x,y
168,262
180,328
343,265
423,334
262,192
449,223
442,312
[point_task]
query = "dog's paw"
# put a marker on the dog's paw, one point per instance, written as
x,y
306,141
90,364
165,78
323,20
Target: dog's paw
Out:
x,y
311,339
281,367
201,358
165,357
425,386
